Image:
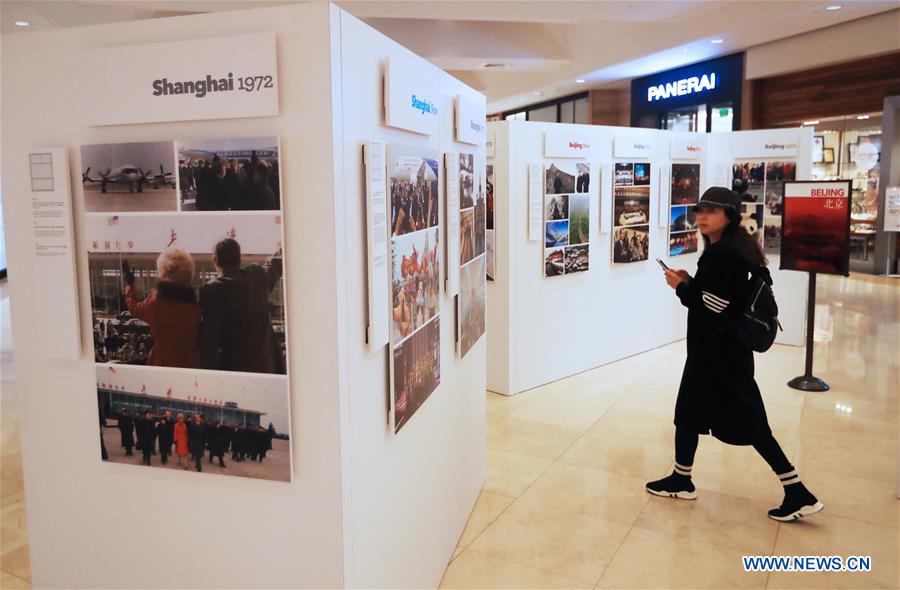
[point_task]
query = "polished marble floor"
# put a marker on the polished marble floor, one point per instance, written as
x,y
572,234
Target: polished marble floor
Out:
x,y
564,505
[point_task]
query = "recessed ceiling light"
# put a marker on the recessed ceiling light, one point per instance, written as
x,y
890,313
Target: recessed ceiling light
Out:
x,y
579,81
816,122
862,117
537,93
22,23
494,65
717,41
833,7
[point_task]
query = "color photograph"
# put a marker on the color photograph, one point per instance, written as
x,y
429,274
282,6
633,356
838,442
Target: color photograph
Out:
x,y
682,243
685,183
748,181
466,236
559,178
554,262
577,259
631,244
490,261
471,304
682,218
776,174
415,282
752,220
624,174
413,189
641,174
816,234
579,219
478,227
556,234
772,234
169,290
467,181
207,422
119,177
583,182
416,371
556,207
489,189
631,211
238,174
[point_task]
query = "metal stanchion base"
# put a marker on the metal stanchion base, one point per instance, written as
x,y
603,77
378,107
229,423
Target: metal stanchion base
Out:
x,y
808,383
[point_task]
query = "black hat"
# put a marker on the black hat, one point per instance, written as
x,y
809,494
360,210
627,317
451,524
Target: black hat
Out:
x,y
719,196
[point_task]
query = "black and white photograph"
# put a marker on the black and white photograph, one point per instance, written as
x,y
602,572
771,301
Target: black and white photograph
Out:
x,y
583,181
237,174
556,207
631,244
467,182
415,282
169,290
752,220
413,189
559,178
197,422
577,259
685,184
471,304
416,371
129,177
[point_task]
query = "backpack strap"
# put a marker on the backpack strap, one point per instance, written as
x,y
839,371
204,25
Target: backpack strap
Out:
x,y
762,273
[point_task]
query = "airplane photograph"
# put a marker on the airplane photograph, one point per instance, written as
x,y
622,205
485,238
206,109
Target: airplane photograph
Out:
x,y
129,177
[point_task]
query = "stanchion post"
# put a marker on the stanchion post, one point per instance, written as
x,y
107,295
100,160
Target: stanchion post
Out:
x,y
808,381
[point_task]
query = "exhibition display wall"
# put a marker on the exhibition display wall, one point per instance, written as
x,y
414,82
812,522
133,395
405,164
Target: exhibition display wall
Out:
x,y
640,184
343,479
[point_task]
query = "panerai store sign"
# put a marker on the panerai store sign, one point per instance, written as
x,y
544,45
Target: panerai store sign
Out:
x,y
558,145
411,95
471,120
682,87
218,78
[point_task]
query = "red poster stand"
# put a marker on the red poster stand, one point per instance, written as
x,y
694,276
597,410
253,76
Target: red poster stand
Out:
x,y
816,239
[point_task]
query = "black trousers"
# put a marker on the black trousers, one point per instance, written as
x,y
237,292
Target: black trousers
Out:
x,y
147,453
198,461
163,455
766,445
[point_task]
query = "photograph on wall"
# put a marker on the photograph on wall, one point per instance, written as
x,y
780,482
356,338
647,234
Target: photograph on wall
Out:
x,y
466,181
752,220
682,218
559,178
472,208
471,304
237,174
416,276
631,244
489,236
685,184
579,219
554,262
748,181
193,292
578,258
120,177
583,182
415,371
557,234
682,243
816,228
776,175
631,212
556,207
772,233
235,424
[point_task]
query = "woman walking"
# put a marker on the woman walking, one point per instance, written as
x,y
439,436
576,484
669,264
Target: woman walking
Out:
x,y
718,393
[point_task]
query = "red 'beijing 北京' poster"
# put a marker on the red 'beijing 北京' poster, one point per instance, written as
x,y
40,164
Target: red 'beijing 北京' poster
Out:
x,y
816,227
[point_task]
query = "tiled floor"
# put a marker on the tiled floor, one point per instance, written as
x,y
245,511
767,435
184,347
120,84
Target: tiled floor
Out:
x,y
564,504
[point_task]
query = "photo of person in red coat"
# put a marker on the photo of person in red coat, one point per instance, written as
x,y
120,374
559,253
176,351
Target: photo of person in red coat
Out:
x,y
171,310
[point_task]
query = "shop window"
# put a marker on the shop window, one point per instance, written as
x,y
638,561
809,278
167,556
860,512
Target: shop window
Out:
x,y
544,114
722,118
582,114
567,112
520,116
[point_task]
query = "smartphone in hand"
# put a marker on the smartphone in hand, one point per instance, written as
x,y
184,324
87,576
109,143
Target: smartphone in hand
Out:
x,y
662,264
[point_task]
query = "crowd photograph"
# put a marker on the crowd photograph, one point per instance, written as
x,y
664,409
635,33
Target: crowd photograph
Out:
x,y
748,180
168,291
631,244
467,181
471,304
685,183
416,282
240,174
414,193
416,371
129,177
237,426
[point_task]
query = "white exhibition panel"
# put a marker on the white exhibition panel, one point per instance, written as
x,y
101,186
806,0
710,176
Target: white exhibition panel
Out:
x,y
411,493
354,481
613,310
411,95
208,78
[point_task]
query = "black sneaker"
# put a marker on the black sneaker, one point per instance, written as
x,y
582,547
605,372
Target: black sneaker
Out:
x,y
673,486
798,502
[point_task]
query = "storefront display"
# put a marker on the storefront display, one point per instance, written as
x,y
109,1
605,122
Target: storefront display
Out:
x,y
188,309
566,218
631,212
415,277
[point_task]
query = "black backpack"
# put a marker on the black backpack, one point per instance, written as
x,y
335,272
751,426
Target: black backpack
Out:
x,y
757,323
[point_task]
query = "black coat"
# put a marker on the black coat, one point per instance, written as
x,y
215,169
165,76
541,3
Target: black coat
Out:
x,y
146,433
218,439
165,433
198,435
236,332
718,392
126,427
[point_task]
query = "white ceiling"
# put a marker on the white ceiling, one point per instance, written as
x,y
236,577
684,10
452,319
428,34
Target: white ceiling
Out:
x,y
543,46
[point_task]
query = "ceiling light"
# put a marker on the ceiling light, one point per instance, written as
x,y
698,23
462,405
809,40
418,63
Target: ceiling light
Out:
x,y
537,93
22,23
494,65
833,7
862,117
579,81
717,41
816,122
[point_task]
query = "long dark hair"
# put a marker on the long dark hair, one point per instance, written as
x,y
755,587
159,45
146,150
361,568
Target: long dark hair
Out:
x,y
747,245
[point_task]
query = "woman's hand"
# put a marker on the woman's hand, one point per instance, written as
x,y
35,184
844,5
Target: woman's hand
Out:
x,y
676,277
